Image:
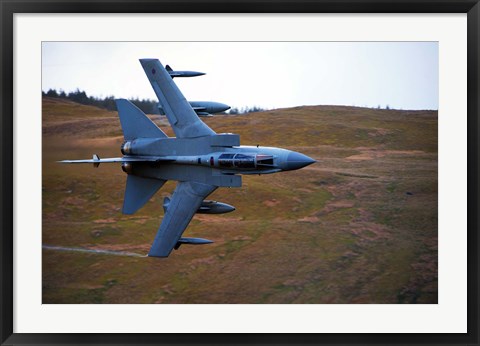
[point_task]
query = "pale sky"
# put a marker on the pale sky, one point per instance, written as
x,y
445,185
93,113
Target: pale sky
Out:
x,y
402,75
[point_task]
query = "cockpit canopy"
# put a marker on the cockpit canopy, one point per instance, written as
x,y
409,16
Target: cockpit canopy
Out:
x,y
229,160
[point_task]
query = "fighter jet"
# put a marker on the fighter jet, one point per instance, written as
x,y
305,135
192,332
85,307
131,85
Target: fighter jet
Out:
x,y
174,74
199,159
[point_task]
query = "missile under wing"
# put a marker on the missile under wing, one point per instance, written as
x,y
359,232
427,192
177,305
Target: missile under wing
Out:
x,y
203,108
174,74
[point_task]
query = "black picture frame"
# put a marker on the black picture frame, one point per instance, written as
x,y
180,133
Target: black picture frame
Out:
x,y
9,7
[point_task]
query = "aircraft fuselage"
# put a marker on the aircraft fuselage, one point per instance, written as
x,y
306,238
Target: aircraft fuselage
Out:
x,y
222,155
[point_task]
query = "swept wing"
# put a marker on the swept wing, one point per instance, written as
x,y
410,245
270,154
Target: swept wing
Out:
x,y
187,198
183,119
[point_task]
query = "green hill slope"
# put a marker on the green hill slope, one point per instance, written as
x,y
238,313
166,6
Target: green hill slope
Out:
x,y
359,226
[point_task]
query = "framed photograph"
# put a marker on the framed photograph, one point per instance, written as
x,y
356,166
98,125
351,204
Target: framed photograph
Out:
x,y
313,181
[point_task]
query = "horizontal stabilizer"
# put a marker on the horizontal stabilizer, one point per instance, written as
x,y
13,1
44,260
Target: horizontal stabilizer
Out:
x,y
138,191
135,124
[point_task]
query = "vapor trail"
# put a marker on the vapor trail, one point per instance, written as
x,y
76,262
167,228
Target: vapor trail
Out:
x,y
99,252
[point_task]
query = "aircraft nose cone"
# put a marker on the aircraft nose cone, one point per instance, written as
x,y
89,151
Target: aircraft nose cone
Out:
x,y
296,161
224,107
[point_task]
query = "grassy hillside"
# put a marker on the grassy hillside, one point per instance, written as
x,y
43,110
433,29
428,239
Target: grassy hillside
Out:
x,y
359,226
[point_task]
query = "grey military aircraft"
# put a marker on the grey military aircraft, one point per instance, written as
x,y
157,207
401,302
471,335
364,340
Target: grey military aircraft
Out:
x,y
174,74
204,108
199,159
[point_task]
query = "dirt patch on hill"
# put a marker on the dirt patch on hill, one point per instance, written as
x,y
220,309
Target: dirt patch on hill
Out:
x,y
216,218
336,205
271,203
111,220
309,219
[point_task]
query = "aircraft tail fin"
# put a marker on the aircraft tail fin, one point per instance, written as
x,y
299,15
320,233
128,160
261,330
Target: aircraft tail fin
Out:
x,y
168,68
138,191
135,124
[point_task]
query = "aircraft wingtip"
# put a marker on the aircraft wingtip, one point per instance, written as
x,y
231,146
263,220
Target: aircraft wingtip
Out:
x,y
147,59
